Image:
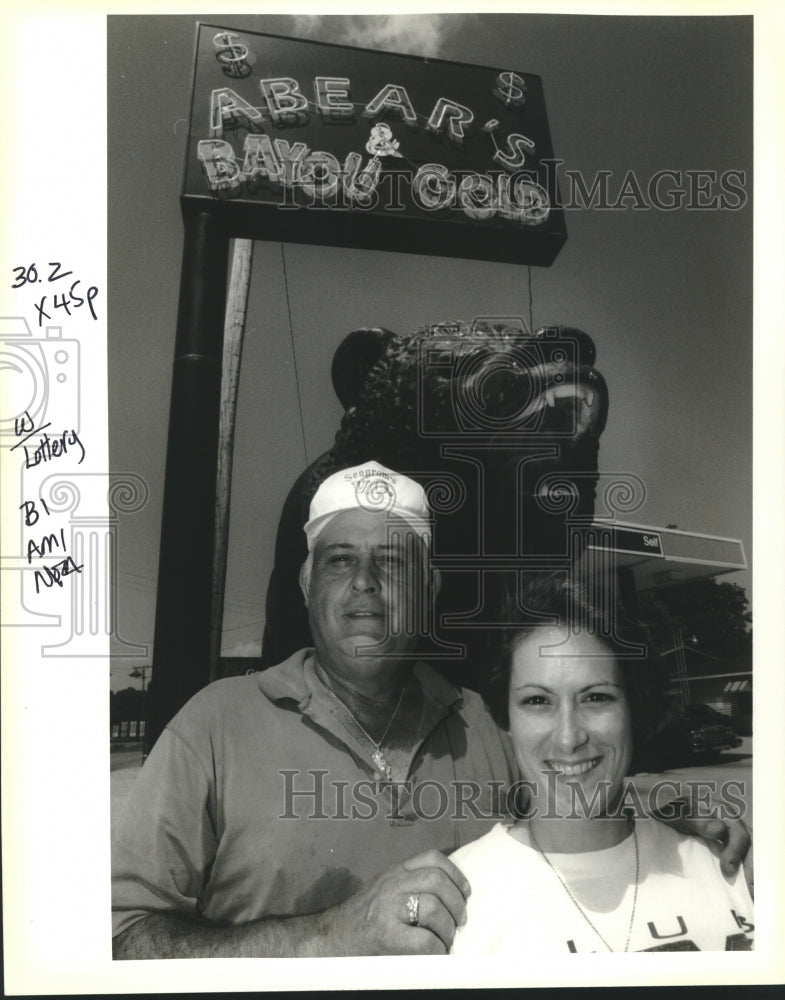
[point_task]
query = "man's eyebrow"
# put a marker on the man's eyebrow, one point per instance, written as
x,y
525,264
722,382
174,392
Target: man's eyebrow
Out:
x,y
381,547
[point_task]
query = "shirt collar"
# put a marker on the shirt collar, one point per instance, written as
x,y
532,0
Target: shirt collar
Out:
x,y
296,680
286,679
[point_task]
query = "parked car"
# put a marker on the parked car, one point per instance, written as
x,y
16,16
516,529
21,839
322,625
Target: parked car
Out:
x,y
692,734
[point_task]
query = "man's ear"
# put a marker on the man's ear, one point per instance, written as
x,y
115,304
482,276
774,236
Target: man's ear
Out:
x,y
304,581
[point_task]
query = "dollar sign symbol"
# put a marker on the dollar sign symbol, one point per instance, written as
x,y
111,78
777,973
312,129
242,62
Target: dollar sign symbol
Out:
x,y
510,89
231,53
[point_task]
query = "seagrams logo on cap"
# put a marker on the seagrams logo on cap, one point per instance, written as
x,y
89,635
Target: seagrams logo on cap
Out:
x,y
370,487
374,494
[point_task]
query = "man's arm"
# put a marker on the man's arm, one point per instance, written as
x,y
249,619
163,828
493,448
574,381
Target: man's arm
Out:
x,y
375,921
729,838
167,936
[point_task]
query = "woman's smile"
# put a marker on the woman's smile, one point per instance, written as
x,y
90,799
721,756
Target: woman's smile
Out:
x,y
571,770
570,723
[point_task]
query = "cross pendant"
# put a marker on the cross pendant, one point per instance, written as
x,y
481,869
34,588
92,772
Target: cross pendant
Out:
x,y
381,764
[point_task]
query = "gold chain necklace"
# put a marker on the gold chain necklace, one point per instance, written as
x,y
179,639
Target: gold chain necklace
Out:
x,y
378,758
581,910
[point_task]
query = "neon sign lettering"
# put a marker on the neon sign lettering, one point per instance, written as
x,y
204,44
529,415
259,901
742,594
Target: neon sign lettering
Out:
x,y
321,177
392,97
457,118
226,108
433,188
510,89
359,185
231,53
285,102
219,165
328,91
518,146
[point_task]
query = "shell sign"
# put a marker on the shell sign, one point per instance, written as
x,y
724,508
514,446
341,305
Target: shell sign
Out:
x,y
314,143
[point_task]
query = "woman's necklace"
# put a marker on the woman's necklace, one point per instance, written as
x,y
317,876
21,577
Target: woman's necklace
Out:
x,y
378,758
583,913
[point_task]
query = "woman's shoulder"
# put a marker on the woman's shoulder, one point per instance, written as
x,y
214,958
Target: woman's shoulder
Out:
x,y
491,851
666,844
667,852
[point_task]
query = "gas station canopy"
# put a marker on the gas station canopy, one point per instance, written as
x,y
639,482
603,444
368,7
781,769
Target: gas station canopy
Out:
x,y
659,557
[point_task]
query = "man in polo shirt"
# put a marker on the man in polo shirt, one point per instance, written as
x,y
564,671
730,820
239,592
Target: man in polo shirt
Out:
x,y
307,810
262,819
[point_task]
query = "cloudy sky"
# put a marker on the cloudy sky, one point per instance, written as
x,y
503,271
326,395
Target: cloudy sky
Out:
x,y
666,295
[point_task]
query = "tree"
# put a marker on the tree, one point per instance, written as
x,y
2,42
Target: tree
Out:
x,y
716,614
126,705
140,672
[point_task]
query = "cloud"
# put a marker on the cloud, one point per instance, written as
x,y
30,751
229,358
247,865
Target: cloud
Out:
x,y
414,34
252,648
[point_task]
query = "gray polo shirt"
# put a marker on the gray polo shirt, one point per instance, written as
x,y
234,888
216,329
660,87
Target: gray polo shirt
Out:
x,y
257,802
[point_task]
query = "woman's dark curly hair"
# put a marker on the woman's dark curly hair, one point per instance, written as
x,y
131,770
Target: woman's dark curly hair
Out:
x,y
556,600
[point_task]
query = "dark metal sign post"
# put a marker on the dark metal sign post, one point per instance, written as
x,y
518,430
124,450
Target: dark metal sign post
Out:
x,y
181,661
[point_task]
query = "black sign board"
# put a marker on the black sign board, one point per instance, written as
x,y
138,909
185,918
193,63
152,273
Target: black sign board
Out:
x,y
315,143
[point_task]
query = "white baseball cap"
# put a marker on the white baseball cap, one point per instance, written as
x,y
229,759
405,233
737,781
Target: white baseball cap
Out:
x,y
369,486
